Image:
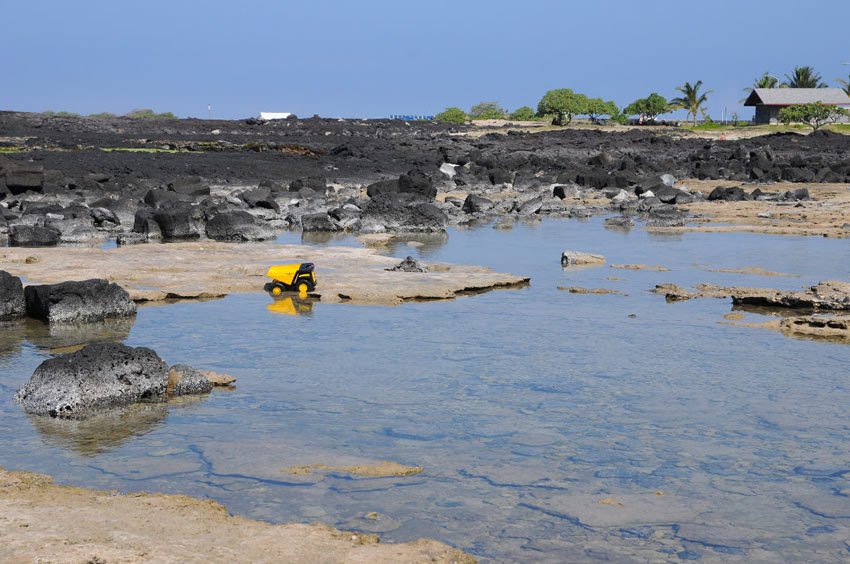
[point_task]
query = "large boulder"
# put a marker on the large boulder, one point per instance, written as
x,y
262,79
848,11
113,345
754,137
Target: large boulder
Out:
x,y
380,216
145,224
189,186
476,204
33,236
414,185
382,188
238,226
104,218
417,182
347,216
24,179
12,304
318,222
733,194
157,198
78,301
99,376
182,221
316,183
260,198
74,230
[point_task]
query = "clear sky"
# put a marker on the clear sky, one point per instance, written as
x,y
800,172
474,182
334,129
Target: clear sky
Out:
x,y
376,58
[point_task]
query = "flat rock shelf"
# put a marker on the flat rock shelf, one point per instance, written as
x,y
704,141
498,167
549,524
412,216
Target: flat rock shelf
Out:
x,y
205,270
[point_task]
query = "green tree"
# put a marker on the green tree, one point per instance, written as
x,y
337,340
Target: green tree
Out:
x,y
650,107
803,77
452,115
597,107
845,85
814,115
765,81
487,110
690,99
563,104
524,113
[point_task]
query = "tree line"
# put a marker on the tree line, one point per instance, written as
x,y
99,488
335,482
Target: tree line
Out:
x,y
561,105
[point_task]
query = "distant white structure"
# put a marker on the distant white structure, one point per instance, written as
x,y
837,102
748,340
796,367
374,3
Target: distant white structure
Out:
x,y
268,116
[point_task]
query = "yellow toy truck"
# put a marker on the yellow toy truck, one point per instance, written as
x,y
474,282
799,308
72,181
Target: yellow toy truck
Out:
x,y
297,277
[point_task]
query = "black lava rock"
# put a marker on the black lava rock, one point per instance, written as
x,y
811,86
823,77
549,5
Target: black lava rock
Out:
x,y
99,376
12,304
78,301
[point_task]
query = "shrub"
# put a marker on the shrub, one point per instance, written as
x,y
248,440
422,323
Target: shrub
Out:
x,y
487,110
620,118
146,113
452,115
525,113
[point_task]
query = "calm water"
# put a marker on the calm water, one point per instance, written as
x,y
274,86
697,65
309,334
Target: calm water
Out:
x,y
551,426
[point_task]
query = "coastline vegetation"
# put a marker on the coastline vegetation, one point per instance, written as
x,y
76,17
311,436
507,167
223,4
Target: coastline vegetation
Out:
x,y
561,106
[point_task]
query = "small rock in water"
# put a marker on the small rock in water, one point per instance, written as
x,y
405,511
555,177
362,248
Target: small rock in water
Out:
x,y
409,265
184,380
219,380
576,258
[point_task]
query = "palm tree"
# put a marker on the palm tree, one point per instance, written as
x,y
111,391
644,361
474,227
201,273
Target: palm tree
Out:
x,y
845,85
803,77
765,81
691,100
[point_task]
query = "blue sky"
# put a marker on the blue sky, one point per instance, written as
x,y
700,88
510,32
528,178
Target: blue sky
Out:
x,y
376,58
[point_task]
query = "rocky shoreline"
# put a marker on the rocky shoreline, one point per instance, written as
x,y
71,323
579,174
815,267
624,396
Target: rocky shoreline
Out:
x,y
82,180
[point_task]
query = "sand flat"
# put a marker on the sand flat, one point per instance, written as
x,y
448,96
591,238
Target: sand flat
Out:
x,y
207,269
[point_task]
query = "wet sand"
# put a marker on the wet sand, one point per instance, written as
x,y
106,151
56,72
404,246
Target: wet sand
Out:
x,y
43,522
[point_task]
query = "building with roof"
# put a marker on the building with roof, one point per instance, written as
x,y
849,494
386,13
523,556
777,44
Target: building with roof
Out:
x,y
768,101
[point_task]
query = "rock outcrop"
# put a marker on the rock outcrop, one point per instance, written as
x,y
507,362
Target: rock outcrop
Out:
x,y
83,301
99,376
12,303
409,264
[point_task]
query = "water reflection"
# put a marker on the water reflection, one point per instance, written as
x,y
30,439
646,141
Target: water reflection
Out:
x,y
426,244
292,305
101,432
61,338
322,237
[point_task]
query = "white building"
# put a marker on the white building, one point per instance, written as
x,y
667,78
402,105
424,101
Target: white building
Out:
x,y
268,116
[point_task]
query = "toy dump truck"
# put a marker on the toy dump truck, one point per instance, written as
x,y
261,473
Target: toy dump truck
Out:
x,y
297,277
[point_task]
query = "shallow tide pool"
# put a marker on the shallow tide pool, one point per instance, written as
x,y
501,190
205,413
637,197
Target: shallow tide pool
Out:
x,y
551,426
